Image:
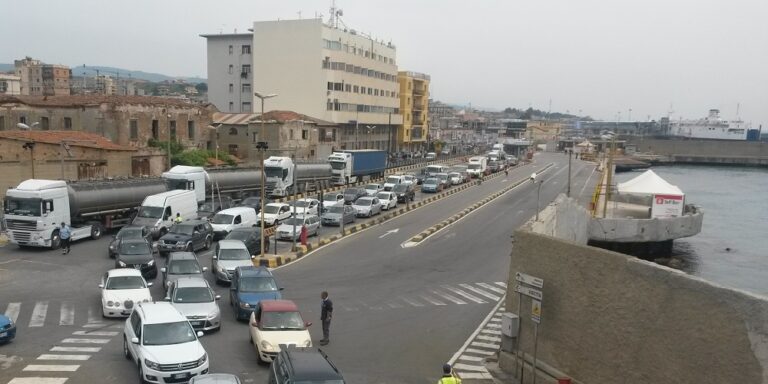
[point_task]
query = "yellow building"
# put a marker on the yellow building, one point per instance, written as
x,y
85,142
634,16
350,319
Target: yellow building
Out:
x,y
414,107
542,131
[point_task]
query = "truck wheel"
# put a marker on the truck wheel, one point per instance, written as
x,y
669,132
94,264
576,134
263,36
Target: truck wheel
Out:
x,y
207,243
55,240
96,231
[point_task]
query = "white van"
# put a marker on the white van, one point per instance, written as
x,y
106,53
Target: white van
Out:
x,y
432,170
393,180
226,220
477,166
157,212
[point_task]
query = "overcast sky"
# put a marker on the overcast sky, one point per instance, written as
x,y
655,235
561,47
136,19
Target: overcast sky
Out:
x,y
600,57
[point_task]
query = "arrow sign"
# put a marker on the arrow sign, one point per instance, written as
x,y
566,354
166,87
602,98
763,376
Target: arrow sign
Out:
x,y
391,231
530,292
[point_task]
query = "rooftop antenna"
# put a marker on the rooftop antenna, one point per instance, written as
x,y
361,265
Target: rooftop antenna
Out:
x,y
738,107
299,13
336,13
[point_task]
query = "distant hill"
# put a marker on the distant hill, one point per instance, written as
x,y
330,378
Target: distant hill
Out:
x,y
112,71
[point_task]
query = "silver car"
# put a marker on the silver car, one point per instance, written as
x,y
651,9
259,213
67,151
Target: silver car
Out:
x,y
194,298
229,255
333,215
181,264
367,206
292,226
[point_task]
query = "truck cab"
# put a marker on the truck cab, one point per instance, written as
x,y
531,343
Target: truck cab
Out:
x,y
341,165
187,178
279,175
34,210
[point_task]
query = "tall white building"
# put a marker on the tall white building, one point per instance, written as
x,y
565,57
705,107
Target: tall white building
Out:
x,y
230,71
330,73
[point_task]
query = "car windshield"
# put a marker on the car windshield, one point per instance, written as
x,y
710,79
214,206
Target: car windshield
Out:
x,y
184,267
393,180
364,202
351,191
182,229
431,181
300,204
336,209
383,196
192,295
372,186
432,169
126,282
130,233
135,248
234,254
454,174
257,284
400,188
222,219
281,321
22,206
150,212
168,333
271,209
294,221
251,201
239,235
473,166
330,197
207,207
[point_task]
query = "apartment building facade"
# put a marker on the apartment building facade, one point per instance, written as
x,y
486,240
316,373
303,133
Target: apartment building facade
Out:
x,y
333,74
40,79
10,84
230,71
414,105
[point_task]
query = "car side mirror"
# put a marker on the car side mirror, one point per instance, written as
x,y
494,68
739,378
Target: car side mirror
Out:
x,y
217,297
280,289
200,333
307,323
101,285
253,257
254,323
135,340
167,298
205,269
150,284
163,270
215,257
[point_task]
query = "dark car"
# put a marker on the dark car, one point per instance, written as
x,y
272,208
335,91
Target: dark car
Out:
x,y
404,192
420,176
138,254
248,287
254,202
303,365
211,207
352,194
250,237
432,184
190,235
181,265
129,232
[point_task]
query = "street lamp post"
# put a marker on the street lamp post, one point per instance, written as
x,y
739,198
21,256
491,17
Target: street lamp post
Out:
x,y
262,147
169,140
370,134
216,138
538,192
30,144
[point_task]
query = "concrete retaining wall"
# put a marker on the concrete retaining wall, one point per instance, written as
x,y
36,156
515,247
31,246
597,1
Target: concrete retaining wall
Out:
x,y
608,317
706,151
564,219
642,230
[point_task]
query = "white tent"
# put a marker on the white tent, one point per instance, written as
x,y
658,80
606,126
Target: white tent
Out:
x,y
668,200
649,183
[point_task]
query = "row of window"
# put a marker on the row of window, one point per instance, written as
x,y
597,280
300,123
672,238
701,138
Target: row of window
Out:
x,y
45,122
133,129
338,46
245,88
340,66
343,87
335,105
245,69
244,49
245,107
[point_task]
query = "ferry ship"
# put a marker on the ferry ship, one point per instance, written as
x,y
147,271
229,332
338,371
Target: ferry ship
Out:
x,y
711,127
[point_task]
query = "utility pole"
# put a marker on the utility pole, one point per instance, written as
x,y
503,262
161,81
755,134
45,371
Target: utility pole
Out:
x,y
570,152
295,202
609,176
262,147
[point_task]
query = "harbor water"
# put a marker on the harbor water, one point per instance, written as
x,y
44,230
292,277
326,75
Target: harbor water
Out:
x,y
732,248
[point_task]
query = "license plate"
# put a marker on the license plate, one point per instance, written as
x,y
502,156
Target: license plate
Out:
x,y
180,375
3,334
196,323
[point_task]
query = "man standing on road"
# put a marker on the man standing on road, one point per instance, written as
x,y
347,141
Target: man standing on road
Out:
x,y
64,234
326,312
178,218
448,376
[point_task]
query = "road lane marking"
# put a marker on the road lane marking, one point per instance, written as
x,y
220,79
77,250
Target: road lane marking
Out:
x,y
489,338
85,341
480,292
51,368
448,297
432,301
98,325
75,349
491,332
38,380
92,317
395,305
479,352
63,357
412,302
492,288
501,283
95,333
38,314
67,315
494,326
465,295
471,358
476,375
466,367
479,344
13,311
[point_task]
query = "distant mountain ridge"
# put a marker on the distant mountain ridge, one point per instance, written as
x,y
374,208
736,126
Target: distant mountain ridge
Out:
x,y
124,73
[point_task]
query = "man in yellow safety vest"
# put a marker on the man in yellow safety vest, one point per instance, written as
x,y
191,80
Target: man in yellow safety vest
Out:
x,y
448,376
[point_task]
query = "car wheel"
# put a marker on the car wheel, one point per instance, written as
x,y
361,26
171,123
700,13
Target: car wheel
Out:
x,y
126,351
55,240
236,312
141,375
190,248
207,243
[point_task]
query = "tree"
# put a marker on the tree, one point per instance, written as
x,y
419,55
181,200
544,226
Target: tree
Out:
x,y
201,87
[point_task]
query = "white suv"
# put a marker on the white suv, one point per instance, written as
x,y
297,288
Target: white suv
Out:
x,y
163,344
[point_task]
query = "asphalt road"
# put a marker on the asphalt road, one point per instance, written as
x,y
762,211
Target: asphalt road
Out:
x,y
397,318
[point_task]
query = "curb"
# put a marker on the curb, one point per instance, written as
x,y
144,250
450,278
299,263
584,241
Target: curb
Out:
x,y
429,231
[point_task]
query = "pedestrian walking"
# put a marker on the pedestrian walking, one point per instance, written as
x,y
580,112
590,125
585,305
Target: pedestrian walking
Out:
x,y
65,234
326,313
178,218
448,376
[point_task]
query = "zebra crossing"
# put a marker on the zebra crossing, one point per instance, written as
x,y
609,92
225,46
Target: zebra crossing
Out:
x,y
67,356
47,313
469,361
442,295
